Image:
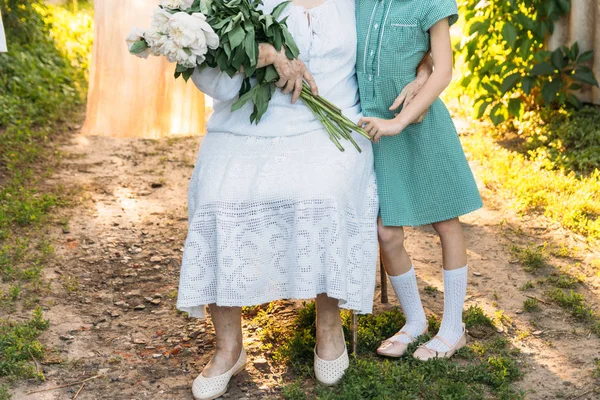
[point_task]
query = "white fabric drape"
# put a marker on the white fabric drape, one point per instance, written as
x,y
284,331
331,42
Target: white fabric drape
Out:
x,y
2,37
132,97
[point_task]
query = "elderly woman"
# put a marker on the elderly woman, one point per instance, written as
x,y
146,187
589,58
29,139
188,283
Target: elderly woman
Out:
x,y
276,211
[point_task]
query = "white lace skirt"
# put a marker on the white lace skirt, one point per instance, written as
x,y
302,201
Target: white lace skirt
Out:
x,y
280,218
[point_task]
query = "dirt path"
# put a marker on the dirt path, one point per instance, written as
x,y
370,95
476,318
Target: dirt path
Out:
x,y
112,308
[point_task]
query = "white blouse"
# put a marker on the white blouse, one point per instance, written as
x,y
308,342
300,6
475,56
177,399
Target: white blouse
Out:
x,y
2,37
326,38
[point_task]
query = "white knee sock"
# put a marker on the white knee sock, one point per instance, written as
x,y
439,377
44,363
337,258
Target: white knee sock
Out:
x,y
407,291
455,291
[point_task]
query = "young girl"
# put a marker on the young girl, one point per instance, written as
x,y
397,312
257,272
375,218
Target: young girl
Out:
x,y
422,173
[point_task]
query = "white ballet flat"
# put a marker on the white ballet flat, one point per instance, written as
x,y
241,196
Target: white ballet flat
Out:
x,y
205,388
330,372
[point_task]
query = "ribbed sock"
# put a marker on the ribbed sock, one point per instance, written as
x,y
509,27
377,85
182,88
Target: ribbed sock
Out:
x,y
455,291
407,291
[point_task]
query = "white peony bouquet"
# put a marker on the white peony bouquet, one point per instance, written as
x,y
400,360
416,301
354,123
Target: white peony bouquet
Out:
x,y
181,37
225,34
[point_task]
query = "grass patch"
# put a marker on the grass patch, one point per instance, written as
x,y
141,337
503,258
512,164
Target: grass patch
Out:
x,y
564,197
531,305
531,257
482,369
574,303
526,286
564,281
18,345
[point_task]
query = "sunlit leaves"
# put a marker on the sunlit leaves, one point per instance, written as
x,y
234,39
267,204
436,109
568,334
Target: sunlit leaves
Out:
x,y
510,33
509,70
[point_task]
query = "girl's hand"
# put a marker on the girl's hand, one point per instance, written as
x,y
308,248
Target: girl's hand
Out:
x,y
377,127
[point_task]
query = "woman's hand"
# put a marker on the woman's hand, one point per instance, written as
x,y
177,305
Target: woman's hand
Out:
x,y
377,127
291,72
424,71
291,75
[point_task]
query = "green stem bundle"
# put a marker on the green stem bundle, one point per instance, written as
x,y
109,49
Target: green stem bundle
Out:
x,y
336,124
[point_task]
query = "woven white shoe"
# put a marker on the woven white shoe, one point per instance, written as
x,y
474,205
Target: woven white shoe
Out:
x,y
330,372
205,388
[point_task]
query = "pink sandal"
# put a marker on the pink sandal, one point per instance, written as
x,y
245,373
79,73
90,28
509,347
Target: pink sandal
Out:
x,y
424,353
394,348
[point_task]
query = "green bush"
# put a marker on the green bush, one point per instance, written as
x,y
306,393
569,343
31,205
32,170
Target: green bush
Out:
x,y
508,72
564,140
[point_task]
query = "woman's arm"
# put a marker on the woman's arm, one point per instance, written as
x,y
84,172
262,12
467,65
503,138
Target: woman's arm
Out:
x,y
221,86
441,50
408,93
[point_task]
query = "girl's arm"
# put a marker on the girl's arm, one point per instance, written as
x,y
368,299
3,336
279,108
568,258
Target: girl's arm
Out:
x,y
221,86
441,50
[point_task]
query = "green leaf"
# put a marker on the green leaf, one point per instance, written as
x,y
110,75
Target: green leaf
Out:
x,y
239,103
550,91
574,51
586,56
279,9
558,59
510,33
180,68
236,36
482,107
585,75
290,44
271,74
498,114
542,68
574,101
187,74
509,82
516,108
564,5
138,47
527,84
251,47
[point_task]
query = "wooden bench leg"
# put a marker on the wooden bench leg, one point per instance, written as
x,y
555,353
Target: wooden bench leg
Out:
x,y
384,283
354,332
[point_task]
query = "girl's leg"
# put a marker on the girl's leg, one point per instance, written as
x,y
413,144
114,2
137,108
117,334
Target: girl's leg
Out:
x,y
228,328
404,281
455,282
330,340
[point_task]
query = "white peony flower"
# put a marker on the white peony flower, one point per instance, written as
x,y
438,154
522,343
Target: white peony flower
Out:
x,y
212,40
156,41
177,4
192,32
135,35
160,20
178,54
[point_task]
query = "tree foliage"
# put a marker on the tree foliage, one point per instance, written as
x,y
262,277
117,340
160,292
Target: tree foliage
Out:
x,y
508,70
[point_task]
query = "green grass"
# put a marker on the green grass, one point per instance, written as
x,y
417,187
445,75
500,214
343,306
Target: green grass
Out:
x,y
574,303
531,305
564,281
526,286
527,186
531,257
481,369
43,80
19,345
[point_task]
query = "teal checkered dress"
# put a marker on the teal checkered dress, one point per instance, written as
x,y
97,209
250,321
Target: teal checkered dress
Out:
x,y
422,174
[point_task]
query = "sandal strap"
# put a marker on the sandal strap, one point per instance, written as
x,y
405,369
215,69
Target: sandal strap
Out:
x,y
441,339
412,339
